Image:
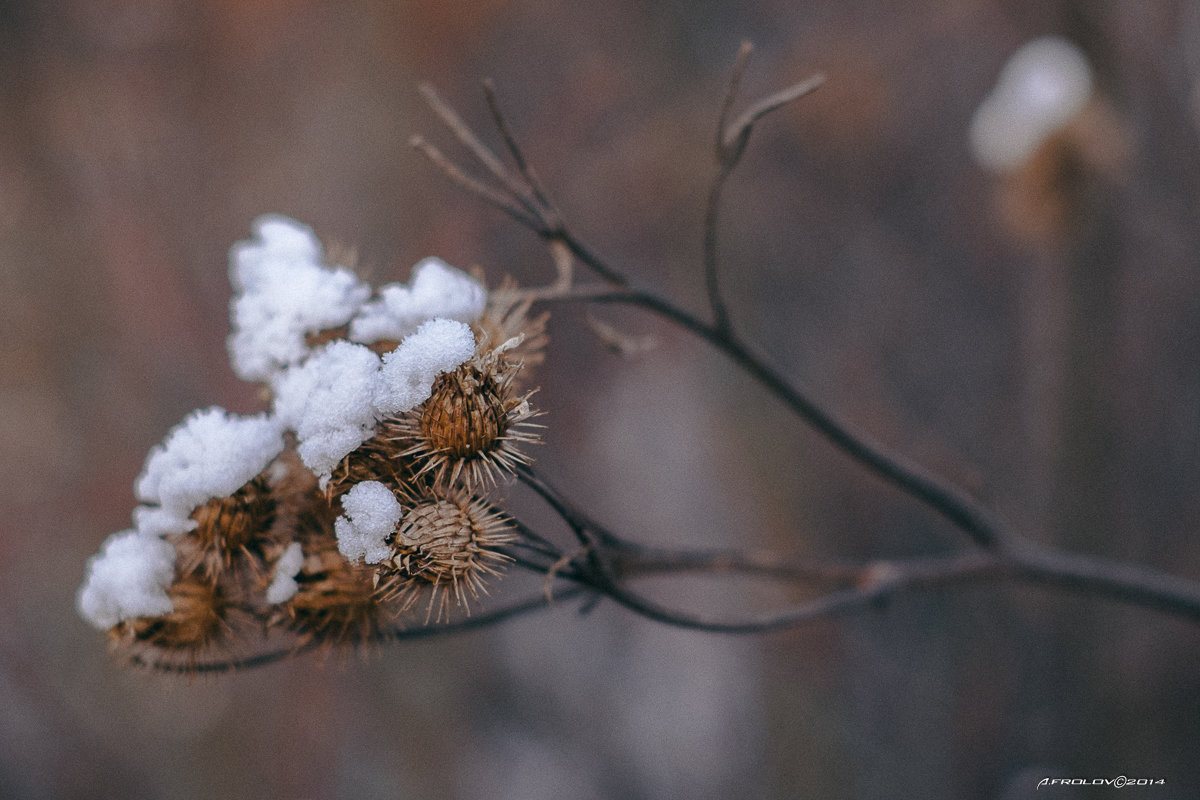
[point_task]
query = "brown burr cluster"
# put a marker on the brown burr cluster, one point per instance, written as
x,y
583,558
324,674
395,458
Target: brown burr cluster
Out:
x,y
268,559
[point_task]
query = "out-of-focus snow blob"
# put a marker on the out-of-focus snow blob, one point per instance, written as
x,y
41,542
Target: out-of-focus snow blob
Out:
x,y
283,582
212,453
372,512
283,291
1044,85
435,289
127,579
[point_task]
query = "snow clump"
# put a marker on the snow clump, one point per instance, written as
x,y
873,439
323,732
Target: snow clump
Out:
x,y
283,291
334,398
128,578
435,290
329,402
408,373
210,454
372,512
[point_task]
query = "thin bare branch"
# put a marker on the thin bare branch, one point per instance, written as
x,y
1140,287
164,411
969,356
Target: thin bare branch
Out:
x,y
740,62
583,527
514,149
519,193
533,540
522,199
863,585
965,512
712,207
587,257
635,559
464,134
731,143
712,211
481,190
738,134
1130,584
877,584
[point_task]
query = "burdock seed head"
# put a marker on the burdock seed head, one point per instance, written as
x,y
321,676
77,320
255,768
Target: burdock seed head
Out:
x,y
448,543
229,527
376,459
196,620
333,600
474,424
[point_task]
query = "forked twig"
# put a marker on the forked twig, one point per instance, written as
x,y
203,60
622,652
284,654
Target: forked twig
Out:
x,y
740,62
472,142
514,149
498,199
520,195
857,586
731,143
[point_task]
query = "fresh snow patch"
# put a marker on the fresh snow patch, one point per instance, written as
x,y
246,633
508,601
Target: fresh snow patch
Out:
x,y
328,402
127,579
211,453
283,291
435,289
372,513
439,345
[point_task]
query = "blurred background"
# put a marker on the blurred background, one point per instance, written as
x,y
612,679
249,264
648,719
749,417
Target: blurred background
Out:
x,y
1031,336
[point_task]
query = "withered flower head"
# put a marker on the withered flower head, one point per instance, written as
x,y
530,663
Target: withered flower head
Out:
x,y
449,543
473,426
228,528
506,319
335,600
196,620
377,459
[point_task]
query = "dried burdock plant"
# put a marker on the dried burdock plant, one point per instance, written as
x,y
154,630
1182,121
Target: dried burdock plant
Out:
x,y
362,506
361,491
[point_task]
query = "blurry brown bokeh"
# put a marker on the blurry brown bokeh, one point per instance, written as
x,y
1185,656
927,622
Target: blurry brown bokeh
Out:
x,y
1050,368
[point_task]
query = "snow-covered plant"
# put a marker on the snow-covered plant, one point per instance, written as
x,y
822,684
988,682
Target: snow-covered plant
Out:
x,y
314,517
367,488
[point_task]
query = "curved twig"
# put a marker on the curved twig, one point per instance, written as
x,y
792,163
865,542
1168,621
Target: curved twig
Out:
x,y
968,514
732,139
610,561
